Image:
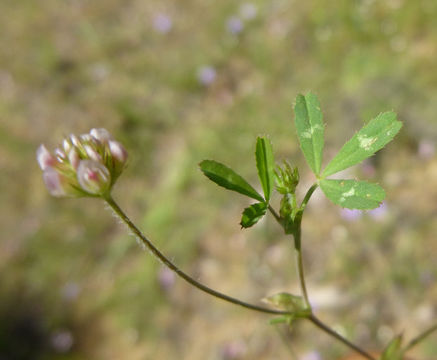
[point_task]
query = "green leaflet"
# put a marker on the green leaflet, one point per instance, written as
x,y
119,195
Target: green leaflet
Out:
x,y
265,164
286,301
252,214
393,350
353,194
286,319
310,129
371,138
228,178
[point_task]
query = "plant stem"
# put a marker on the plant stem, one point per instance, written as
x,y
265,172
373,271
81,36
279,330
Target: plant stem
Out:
x,y
299,264
298,244
161,257
331,332
275,214
300,270
420,337
308,196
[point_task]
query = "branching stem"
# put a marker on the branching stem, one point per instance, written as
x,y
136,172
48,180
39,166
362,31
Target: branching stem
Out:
x,y
297,242
300,270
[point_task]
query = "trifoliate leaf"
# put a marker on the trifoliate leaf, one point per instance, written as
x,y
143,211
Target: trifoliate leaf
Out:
x,y
265,164
310,129
252,214
353,194
228,178
371,138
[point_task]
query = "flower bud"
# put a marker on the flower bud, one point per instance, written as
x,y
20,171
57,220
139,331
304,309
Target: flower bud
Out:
x,y
92,153
74,158
60,155
44,158
67,146
93,177
75,140
54,182
86,138
286,179
118,152
101,135
85,165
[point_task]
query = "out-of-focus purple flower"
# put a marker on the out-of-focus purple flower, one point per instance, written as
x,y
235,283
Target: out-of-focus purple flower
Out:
x,y
426,149
70,291
87,165
426,277
166,278
233,350
380,213
62,341
234,25
206,75
312,355
368,169
162,23
351,214
248,11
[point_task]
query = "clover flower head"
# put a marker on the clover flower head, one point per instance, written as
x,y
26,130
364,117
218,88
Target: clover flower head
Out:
x,y
85,165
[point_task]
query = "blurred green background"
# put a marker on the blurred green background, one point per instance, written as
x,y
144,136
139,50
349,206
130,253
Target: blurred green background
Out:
x,y
181,81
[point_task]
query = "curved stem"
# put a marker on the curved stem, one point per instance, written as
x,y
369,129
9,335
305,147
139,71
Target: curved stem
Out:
x,y
161,257
331,332
420,337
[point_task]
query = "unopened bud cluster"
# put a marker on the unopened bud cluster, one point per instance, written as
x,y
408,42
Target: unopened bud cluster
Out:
x,y
286,179
85,165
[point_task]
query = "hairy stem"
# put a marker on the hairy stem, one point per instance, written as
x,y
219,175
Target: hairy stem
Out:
x,y
161,257
420,337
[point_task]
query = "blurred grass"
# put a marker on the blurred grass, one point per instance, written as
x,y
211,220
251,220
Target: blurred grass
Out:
x,y
75,286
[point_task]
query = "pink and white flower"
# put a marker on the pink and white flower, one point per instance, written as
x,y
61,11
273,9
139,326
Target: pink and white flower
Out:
x,y
85,165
